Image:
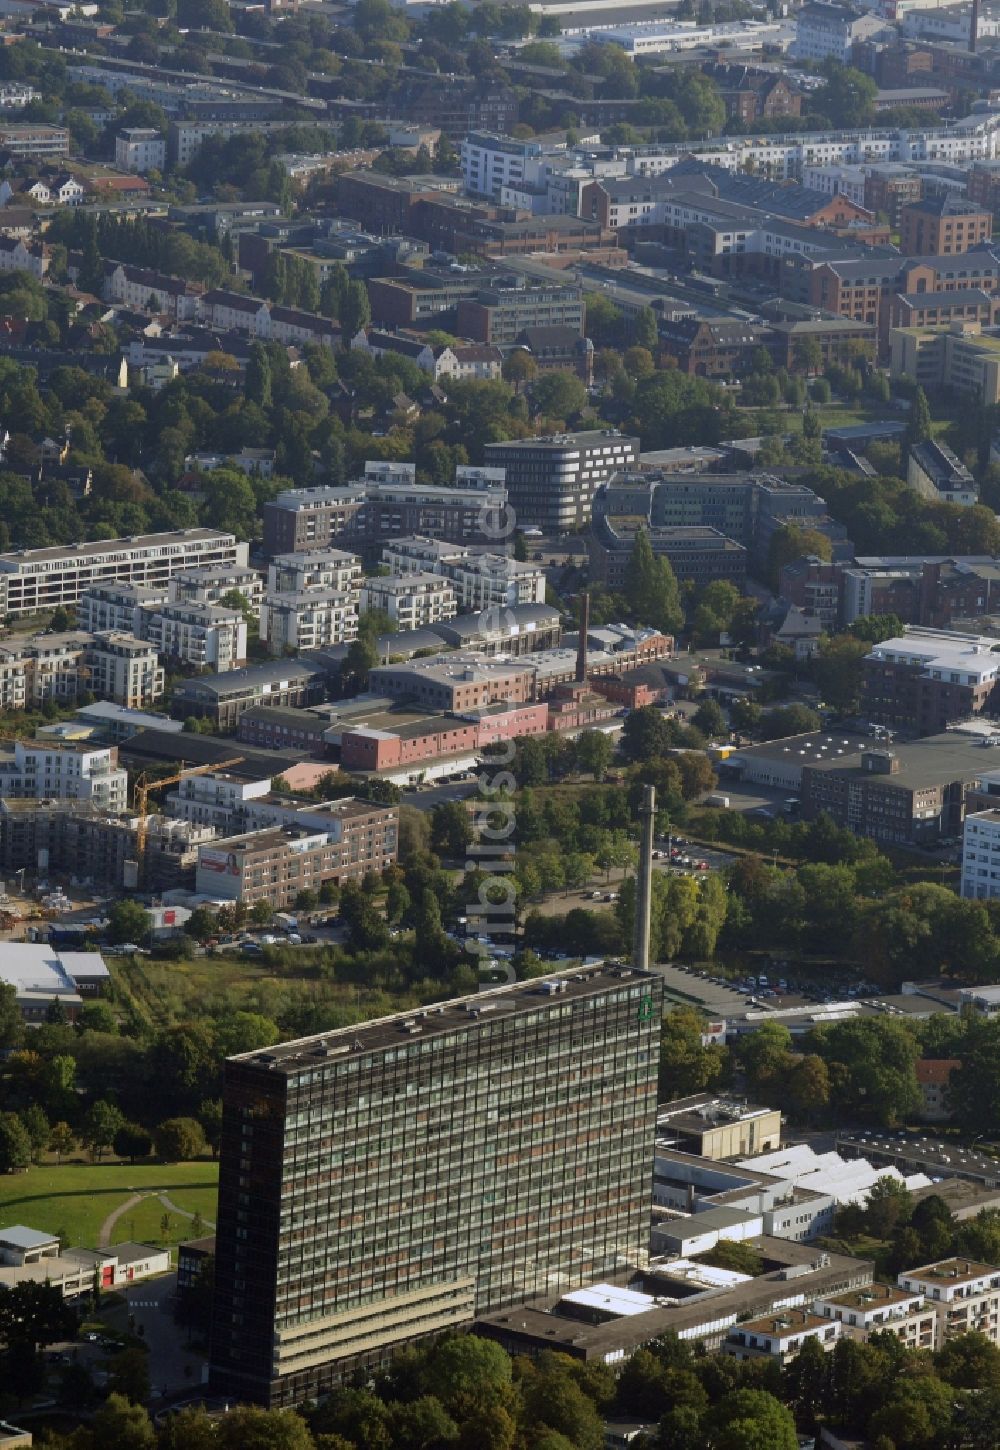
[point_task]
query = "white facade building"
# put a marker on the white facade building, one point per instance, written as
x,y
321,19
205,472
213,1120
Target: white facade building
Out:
x,y
881,1309
964,1295
117,607
124,669
314,569
481,580
40,770
210,586
214,800
410,600
198,634
846,181
140,148
308,619
35,580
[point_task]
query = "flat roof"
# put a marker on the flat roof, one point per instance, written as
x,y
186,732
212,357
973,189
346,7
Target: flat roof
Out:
x,y
20,1237
923,764
816,746
868,1298
933,1155
955,1270
498,1004
71,552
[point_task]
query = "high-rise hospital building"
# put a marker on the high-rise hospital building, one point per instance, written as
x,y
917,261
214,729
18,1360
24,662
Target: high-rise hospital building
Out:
x,y
395,1179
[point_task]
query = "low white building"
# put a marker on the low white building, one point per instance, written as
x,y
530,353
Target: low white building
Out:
x,y
41,976
779,1337
963,1294
881,1308
410,600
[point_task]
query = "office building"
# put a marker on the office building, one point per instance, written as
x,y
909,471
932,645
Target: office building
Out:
x,y
928,679
501,311
377,1183
388,503
35,580
551,481
940,226
904,794
715,1126
959,357
696,553
981,855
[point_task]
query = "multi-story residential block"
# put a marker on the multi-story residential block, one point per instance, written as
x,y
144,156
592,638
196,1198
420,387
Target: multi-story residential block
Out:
x,y
123,669
551,481
964,1295
118,607
35,580
276,863
490,164
314,569
18,255
44,770
30,141
223,698
308,619
881,1309
411,600
196,633
388,503
890,187
480,578
215,800
211,586
943,226
927,679
140,286
461,1227
829,32
140,148
779,1337
235,312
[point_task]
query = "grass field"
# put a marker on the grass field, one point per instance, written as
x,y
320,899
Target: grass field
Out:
x,y
75,1198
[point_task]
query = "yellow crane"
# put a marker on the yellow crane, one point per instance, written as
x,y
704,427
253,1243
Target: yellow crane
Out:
x,y
144,785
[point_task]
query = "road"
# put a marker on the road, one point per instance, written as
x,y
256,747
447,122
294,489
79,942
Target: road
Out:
x,y
437,795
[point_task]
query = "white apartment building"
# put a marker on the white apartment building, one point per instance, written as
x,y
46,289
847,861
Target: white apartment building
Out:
x,y
210,586
964,1296
235,312
981,856
846,181
138,286
829,31
20,256
140,148
492,163
214,800
35,580
198,634
779,1337
295,573
308,619
117,607
481,579
410,600
881,1308
123,669
43,770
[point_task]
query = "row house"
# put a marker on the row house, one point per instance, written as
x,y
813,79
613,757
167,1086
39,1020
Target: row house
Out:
x,y
138,287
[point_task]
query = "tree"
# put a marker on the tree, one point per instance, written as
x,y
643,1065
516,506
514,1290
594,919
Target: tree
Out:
x,y
250,1428
752,1420
838,670
787,720
848,97
34,1314
710,718
651,588
132,1142
918,421
594,752
178,1140
645,734
559,394
451,829
519,367
644,329
128,922
355,311
15,1144
468,1374
119,1425
130,1375
36,1125
102,1123
685,1065
61,1140
790,543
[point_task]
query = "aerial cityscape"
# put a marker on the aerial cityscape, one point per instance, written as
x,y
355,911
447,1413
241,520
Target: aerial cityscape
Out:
x,y
500,725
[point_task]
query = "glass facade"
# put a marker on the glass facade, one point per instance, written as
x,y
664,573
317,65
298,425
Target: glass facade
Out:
x,y
398,1177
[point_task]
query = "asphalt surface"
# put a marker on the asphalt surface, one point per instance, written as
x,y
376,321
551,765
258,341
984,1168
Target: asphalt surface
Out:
x,y
685,986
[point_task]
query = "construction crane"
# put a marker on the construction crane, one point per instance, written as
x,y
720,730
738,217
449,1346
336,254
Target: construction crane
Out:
x,y
144,785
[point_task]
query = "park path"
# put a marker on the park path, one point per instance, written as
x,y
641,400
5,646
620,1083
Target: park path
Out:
x,y
108,1226
182,1212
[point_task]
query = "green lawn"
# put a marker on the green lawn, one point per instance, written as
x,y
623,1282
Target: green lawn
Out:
x,y
143,1224
76,1197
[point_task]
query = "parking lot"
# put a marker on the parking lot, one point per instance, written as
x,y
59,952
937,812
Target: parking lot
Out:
x,y
682,985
